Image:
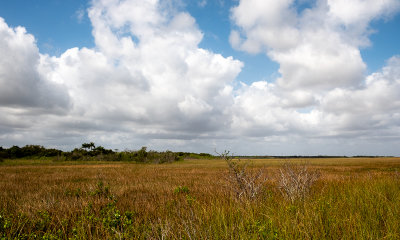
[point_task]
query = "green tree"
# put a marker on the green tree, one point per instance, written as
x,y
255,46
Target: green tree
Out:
x,y
89,146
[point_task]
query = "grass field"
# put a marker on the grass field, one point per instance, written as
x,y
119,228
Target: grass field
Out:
x,y
354,198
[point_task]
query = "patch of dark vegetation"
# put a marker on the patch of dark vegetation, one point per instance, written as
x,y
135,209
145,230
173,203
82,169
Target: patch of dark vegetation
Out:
x,y
28,151
91,152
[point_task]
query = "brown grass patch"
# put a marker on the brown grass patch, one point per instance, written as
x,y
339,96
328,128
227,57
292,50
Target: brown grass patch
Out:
x,y
147,190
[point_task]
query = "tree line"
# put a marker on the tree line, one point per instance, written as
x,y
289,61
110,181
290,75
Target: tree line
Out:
x,y
89,151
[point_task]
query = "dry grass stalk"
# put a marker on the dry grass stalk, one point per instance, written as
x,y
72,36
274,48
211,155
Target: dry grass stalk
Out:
x,y
61,195
245,183
296,180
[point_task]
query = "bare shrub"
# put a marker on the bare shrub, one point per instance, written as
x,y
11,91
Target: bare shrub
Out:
x,y
295,180
244,182
160,230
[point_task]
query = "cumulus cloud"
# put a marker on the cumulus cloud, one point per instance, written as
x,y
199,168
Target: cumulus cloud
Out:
x,y
317,48
323,91
373,107
21,83
360,12
146,77
147,81
370,112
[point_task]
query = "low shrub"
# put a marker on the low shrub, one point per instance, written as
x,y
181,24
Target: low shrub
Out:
x,y
244,182
295,180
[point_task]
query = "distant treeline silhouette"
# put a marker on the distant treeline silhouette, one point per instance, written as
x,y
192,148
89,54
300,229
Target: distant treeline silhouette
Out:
x,y
89,151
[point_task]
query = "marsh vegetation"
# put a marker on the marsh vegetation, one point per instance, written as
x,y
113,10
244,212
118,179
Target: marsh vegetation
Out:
x,y
344,198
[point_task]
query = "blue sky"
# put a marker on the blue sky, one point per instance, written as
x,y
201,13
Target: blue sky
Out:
x,y
385,43
309,82
54,23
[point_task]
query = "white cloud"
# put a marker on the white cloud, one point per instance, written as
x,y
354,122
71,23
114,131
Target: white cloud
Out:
x,y
360,12
80,15
147,82
378,99
21,83
317,48
266,24
202,3
146,77
321,62
371,112
323,91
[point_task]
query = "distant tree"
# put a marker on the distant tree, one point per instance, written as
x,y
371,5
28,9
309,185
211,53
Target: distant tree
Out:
x,y
142,154
3,154
52,152
33,151
89,146
14,152
85,146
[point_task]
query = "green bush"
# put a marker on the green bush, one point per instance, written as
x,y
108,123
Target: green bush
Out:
x,y
181,189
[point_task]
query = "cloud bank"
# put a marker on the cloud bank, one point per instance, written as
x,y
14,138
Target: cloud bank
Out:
x,y
147,82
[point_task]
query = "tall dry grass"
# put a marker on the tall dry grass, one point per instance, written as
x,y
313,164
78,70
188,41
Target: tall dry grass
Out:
x,y
193,200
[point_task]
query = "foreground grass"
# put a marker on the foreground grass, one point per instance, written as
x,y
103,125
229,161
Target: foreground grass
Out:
x,y
354,199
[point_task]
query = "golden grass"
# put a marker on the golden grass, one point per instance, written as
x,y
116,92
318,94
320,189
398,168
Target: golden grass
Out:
x,y
67,193
33,185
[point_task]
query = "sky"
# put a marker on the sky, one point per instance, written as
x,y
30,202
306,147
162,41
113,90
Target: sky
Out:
x,y
255,77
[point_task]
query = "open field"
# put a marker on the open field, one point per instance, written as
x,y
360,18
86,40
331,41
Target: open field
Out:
x,y
354,198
